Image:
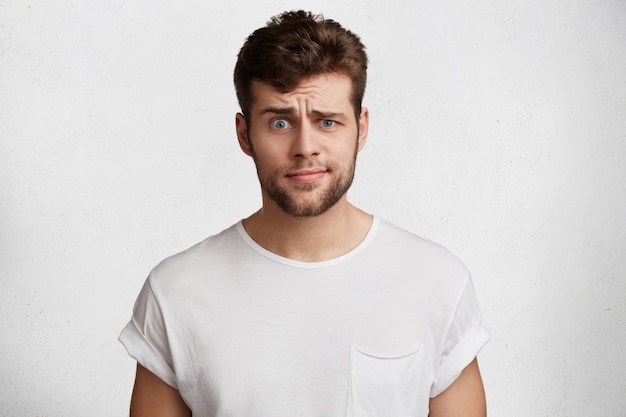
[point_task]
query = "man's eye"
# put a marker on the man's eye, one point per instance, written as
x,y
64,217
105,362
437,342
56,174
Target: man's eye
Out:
x,y
328,123
280,124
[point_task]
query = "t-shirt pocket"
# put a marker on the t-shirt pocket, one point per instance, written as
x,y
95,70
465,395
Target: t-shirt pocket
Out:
x,y
384,386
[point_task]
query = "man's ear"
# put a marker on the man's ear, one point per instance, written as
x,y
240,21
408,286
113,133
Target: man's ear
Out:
x,y
364,123
242,134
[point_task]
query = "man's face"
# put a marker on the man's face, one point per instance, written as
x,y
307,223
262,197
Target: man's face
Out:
x,y
304,143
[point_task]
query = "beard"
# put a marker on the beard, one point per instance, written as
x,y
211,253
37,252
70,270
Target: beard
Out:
x,y
307,200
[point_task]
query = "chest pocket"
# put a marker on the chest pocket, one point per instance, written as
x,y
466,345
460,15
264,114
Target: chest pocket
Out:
x,y
385,386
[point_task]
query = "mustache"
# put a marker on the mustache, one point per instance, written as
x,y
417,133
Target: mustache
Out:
x,y
307,164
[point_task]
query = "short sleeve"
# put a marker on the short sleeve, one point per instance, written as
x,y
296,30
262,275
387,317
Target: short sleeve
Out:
x,y
145,337
466,336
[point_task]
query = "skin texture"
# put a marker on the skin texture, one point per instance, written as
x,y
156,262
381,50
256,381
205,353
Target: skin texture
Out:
x,y
304,144
464,398
154,398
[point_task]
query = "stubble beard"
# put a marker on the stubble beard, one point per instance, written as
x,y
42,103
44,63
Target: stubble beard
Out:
x,y
307,200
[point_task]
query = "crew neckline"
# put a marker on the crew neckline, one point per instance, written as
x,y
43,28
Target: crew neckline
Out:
x,y
302,264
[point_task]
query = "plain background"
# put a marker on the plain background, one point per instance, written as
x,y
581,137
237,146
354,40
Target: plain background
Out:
x,y
498,128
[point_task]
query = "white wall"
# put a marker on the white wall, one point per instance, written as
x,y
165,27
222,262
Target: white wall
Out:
x,y
498,129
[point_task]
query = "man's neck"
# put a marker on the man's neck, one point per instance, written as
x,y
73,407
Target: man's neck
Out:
x,y
309,239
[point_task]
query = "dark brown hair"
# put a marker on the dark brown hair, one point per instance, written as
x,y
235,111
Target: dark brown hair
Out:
x,y
297,45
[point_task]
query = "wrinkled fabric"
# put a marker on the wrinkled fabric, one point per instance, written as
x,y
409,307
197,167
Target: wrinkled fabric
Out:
x,y
240,331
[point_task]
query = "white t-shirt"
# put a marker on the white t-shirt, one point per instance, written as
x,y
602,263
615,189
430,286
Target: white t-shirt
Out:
x,y
241,331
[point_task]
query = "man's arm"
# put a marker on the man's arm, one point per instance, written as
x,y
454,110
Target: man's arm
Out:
x,y
464,398
154,398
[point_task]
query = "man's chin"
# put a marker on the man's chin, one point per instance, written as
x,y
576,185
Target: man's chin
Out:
x,y
312,208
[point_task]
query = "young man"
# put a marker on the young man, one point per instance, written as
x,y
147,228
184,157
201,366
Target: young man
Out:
x,y
310,306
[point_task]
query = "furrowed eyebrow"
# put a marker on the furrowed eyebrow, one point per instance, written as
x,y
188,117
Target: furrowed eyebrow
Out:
x,y
286,111
278,110
327,115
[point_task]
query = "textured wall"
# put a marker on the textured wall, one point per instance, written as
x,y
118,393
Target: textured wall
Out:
x,y
498,129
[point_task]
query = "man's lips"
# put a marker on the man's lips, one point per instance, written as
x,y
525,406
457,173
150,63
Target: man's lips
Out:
x,y
307,175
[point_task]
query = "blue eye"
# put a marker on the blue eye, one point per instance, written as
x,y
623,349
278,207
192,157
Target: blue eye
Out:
x,y
328,123
280,124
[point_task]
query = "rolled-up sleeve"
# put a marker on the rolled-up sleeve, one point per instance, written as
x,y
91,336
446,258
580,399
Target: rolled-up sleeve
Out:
x,y
145,337
465,337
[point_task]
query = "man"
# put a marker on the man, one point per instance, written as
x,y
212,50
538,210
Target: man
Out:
x,y
310,306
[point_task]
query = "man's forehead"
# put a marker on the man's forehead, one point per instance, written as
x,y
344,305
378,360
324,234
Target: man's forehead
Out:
x,y
332,89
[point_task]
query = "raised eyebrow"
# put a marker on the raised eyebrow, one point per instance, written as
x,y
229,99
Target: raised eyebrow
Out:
x,y
283,111
327,115
287,111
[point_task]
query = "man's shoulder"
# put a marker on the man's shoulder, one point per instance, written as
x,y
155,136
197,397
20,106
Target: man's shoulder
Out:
x,y
203,255
402,244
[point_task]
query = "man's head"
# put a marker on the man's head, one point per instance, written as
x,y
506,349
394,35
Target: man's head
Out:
x,y
295,46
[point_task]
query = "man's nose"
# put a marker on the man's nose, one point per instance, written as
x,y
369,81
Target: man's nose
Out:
x,y
305,142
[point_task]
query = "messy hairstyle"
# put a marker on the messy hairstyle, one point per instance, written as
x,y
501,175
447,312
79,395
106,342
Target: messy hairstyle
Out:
x,y
297,45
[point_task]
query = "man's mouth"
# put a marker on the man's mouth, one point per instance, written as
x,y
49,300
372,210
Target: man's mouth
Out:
x,y
308,175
